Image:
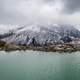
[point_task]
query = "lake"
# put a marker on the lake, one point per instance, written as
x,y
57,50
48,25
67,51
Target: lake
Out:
x,y
36,65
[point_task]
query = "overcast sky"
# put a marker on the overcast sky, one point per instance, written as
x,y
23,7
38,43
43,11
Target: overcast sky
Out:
x,y
39,11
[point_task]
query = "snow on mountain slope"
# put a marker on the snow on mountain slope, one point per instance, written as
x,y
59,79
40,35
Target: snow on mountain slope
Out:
x,y
77,27
41,34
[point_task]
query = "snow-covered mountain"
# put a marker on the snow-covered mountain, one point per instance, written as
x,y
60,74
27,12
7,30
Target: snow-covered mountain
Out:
x,y
39,34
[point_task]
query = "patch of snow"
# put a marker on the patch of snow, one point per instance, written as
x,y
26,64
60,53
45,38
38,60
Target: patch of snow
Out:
x,y
77,27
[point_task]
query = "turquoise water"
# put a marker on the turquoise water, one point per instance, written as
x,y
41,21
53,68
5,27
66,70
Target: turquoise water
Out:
x,y
34,65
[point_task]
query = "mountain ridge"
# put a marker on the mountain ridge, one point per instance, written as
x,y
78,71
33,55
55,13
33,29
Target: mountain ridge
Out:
x,y
40,33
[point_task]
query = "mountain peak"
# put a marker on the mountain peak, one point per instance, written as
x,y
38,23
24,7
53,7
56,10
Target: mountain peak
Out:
x,y
40,33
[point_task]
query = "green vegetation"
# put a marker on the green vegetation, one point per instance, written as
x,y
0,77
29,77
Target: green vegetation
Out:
x,y
2,43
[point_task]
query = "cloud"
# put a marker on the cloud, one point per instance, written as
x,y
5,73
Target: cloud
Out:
x,y
71,6
9,12
25,11
39,11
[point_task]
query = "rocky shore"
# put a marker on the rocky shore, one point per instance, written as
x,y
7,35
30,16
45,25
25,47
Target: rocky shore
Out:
x,y
52,48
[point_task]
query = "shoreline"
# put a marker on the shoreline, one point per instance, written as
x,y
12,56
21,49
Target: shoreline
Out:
x,y
68,47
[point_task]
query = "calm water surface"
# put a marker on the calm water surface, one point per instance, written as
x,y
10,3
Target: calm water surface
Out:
x,y
34,65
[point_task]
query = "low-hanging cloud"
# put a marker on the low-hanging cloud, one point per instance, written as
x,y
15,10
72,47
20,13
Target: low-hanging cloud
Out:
x,y
39,11
22,11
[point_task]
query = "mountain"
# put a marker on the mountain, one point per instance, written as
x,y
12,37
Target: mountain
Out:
x,y
39,34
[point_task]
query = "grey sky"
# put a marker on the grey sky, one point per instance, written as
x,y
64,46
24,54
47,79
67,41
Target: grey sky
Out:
x,y
39,11
71,6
